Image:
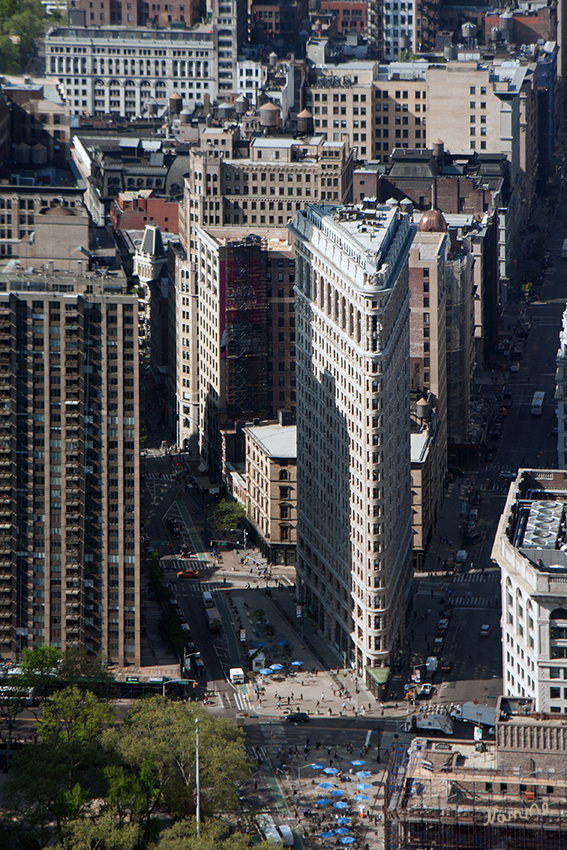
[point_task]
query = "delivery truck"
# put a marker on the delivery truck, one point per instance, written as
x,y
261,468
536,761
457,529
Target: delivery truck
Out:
x,y
214,621
429,723
473,712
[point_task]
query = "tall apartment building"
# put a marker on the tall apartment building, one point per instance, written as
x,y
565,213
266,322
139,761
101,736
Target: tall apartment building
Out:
x,y
69,466
529,548
353,443
561,395
126,71
231,335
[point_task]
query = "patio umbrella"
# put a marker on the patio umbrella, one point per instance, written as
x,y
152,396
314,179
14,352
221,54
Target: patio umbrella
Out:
x,y
364,774
336,792
331,771
283,643
360,797
276,666
265,671
348,839
259,645
322,801
340,805
316,765
341,831
326,834
363,786
325,785
297,663
358,762
343,821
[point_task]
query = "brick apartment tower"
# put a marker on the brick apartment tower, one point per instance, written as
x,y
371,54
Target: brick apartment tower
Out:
x,y
69,468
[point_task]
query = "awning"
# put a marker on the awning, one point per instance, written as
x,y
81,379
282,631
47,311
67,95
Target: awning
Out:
x,y
379,674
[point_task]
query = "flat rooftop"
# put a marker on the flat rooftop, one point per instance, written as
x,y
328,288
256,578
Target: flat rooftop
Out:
x,y
277,441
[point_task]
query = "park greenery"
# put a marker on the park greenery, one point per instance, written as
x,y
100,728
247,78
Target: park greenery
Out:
x,y
21,22
92,780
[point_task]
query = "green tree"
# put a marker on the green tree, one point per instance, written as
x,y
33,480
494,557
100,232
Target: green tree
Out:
x,y
14,700
224,514
213,835
74,716
165,730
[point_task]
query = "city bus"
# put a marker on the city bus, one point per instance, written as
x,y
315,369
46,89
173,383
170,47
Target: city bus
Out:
x,y
537,403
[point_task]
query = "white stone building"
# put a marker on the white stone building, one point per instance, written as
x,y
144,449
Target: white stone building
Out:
x,y
102,70
354,503
530,549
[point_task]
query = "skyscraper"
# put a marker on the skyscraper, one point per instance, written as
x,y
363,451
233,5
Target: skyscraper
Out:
x,y
354,506
69,465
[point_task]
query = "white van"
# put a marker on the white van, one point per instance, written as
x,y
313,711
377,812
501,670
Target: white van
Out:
x,y
286,834
236,675
208,599
268,828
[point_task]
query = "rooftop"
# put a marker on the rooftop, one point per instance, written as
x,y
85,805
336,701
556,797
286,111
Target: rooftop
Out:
x,y
276,441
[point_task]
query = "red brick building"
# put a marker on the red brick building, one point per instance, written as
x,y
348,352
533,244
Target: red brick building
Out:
x,y
352,14
134,13
133,210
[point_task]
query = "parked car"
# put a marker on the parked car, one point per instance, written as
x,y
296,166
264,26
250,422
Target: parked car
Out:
x,y
446,666
484,631
515,367
425,691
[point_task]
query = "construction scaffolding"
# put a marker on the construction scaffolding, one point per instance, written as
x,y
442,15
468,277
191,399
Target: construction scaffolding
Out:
x,y
245,337
451,796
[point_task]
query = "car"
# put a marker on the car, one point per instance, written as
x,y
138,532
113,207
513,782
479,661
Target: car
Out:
x,y
555,431
515,367
473,515
190,648
447,611
297,717
503,412
437,645
507,476
426,691
188,574
484,631
409,686
446,666
443,625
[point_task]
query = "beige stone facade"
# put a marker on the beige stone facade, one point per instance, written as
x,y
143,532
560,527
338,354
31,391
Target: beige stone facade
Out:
x,y
271,474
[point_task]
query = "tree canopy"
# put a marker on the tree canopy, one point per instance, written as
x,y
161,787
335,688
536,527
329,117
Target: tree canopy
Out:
x,y
94,783
225,515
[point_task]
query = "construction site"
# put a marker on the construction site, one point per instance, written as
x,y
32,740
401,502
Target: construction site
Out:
x,y
510,794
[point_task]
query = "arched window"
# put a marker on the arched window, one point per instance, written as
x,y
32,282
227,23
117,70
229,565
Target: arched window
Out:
x,y
283,475
558,614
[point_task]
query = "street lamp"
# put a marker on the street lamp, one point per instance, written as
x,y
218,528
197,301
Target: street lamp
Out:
x,y
240,531
197,787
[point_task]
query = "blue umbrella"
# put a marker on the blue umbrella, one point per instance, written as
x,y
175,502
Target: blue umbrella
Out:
x,y
363,786
336,792
276,666
265,671
341,831
348,839
259,644
325,785
358,763
316,765
326,834
364,774
343,821
340,805
322,801
331,771
283,643
360,797
297,663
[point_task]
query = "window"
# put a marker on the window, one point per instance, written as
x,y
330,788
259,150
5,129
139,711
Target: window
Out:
x,y
284,514
555,693
283,475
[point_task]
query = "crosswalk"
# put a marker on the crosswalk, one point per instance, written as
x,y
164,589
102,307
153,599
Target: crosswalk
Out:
x,y
199,586
158,476
257,753
472,601
475,577
243,702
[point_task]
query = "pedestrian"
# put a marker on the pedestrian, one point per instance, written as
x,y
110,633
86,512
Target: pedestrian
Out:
x,y
317,703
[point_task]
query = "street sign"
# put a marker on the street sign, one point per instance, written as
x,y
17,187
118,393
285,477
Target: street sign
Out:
x,y
478,733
